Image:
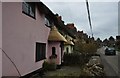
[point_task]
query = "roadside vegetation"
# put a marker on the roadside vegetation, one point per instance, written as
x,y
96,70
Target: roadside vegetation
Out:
x,y
118,45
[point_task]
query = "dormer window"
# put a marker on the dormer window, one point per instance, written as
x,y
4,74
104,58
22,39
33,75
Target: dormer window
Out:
x,y
47,23
28,8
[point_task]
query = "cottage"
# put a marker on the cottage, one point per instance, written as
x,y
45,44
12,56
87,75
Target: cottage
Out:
x,y
56,45
68,48
25,37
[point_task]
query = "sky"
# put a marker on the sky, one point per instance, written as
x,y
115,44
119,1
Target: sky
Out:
x,y
104,15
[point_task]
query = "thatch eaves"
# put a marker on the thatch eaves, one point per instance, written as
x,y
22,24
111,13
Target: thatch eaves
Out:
x,y
55,35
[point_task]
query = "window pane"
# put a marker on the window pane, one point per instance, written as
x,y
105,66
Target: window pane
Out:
x,y
25,7
47,22
37,52
32,10
43,49
29,8
40,51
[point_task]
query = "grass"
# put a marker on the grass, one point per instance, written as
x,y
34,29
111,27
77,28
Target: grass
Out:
x,y
65,71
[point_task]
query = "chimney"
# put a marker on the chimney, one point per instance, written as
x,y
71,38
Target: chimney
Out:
x,y
70,25
59,17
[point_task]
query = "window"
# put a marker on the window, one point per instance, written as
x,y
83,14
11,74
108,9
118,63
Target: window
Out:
x,y
29,9
40,51
67,49
47,22
53,50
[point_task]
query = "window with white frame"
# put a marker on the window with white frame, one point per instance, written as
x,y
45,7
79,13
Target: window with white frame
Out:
x,y
28,8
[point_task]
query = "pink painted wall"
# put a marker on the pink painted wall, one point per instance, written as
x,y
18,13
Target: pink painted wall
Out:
x,y
0,39
20,34
58,51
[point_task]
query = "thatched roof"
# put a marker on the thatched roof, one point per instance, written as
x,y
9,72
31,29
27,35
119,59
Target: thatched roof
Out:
x,y
69,43
55,35
43,9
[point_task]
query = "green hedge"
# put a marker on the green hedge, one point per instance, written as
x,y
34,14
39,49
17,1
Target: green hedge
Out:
x,y
76,59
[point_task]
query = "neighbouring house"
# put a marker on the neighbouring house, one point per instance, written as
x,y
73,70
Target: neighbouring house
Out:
x,y
63,30
105,42
68,46
111,41
99,42
118,38
25,32
71,27
56,45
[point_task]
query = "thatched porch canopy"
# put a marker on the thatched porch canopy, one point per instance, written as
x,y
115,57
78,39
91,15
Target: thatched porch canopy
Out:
x,y
55,35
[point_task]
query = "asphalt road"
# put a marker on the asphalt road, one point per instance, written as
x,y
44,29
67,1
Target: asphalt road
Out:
x,y
110,63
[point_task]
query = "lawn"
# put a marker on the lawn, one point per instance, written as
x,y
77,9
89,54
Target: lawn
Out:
x,y
65,71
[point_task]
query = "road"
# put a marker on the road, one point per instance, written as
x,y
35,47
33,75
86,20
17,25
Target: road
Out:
x,y
110,63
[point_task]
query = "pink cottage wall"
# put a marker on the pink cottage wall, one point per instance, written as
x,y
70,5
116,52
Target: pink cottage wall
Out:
x,y
58,51
0,39
20,34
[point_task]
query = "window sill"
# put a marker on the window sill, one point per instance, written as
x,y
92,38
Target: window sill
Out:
x,y
40,60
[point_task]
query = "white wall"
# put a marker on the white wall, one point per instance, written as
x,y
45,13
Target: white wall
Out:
x,y
70,48
0,39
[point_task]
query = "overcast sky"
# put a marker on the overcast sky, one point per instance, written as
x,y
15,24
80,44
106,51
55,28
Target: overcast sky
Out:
x,y
104,16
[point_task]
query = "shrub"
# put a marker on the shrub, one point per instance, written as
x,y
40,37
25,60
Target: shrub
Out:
x,y
89,48
53,56
75,59
85,48
49,66
118,45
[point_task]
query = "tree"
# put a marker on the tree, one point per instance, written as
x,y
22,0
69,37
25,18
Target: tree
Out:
x,y
85,48
118,44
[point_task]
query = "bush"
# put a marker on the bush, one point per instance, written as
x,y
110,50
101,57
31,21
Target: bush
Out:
x,y
90,48
118,45
49,66
85,48
75,59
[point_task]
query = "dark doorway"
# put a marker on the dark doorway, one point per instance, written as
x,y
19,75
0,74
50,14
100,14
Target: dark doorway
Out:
x,y
67,49
53,50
